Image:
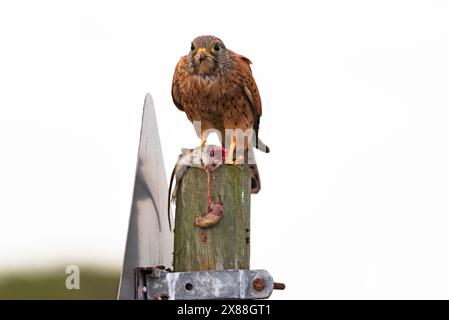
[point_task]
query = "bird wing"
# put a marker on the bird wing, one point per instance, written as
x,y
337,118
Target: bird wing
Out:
x,y
248,83
177,77
249,87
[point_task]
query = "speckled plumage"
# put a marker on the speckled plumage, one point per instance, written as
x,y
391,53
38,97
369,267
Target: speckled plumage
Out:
x,y
217,88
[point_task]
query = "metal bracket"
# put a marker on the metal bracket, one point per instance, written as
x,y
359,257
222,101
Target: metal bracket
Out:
x,y
156,284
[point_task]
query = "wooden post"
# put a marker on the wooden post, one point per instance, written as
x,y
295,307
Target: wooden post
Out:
x,y
224,245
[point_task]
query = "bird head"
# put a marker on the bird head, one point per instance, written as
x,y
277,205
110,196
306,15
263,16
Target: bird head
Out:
x,y
207,54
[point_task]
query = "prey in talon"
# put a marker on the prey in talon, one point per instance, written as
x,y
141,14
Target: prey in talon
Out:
x,y
209,157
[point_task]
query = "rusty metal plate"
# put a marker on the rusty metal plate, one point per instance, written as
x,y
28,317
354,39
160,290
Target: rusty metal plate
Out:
x,y
156,284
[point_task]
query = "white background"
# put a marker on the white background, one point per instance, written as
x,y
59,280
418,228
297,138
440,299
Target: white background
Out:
x,y
354,201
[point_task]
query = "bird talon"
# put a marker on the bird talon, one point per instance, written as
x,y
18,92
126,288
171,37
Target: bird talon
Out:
x,y
239,160
236,162
229,159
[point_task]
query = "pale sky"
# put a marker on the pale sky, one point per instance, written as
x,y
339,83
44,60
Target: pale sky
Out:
x,y
354,200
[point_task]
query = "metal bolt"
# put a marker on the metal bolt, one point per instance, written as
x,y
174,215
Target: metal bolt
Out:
x,y
259,284
278,286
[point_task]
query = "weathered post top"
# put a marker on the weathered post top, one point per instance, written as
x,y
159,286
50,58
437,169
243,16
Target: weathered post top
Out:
x,y
225,244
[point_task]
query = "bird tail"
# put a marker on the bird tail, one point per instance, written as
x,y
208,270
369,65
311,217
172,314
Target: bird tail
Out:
x,y
262,146
255,178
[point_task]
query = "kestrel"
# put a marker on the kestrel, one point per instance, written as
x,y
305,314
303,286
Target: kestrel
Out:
x,y
215,86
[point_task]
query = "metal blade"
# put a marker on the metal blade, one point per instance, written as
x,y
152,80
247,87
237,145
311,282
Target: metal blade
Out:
x,y
149,241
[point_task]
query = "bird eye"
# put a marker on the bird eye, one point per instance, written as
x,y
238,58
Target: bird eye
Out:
x,y
216,47
192,47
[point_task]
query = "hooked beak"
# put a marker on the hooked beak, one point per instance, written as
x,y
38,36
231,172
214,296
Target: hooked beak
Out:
x,y
201,55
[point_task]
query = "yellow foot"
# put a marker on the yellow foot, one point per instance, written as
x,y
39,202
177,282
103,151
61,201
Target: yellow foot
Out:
x,y
236,162
230,159
202,146
230,155
239,160
203,138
